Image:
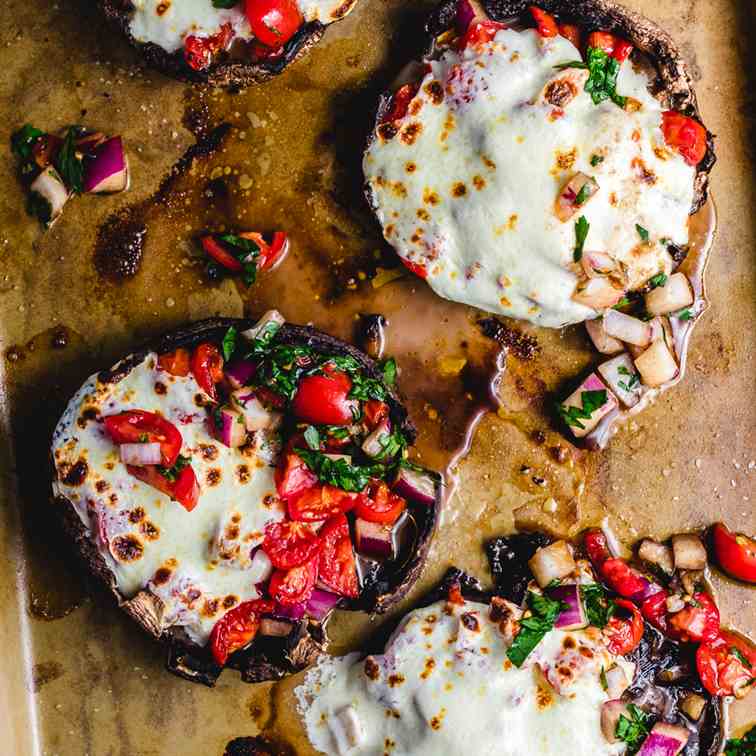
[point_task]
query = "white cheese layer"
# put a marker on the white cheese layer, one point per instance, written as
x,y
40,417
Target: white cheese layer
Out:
x,y
442,687
467,186
167,23
197,561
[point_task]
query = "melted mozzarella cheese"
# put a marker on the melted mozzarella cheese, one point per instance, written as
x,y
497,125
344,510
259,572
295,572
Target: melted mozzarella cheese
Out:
x,y
444,687
467,186
196,561
167,24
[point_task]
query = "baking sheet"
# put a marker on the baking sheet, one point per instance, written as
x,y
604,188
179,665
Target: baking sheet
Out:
x,y
79,678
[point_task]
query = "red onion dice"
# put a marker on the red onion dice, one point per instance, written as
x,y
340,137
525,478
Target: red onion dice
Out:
x,y
374,540
140,454
293,612
467,12
107,170
239,373
415,485
375,444
232,431
664,740
320,604
574,617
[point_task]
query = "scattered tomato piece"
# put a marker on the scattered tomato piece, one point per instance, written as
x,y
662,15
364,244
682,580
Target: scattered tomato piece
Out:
x,y
696,622
289,544
273,22
181,486
323,399
138,426
200,51
237,628
175,362
400,103
685,135
294,586
293,477
545,23
379,504
479,32
416,268
624,635
337,569
726,665
207,368
320,503
735,553
571,32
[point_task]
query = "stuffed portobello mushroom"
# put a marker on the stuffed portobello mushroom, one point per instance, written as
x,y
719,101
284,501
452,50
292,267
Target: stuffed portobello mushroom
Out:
x,y
227,43
237,481
540,161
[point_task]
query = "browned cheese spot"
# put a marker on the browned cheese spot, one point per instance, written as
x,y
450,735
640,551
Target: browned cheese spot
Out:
x,y
470,621
411,132
459,190
136,515
127,548
87,414
395,680
479,182
387,131
113,500
209,452
232,532
389,230
430,197
213,476
415,106
569,642
210,607
410,167
230,601
565,160
199,400
162,575
101,486
429,667
163,8
76,474
243,474
149,530
644,173
586,652
560,92
488,162
399,189
435,91
544,699
160,388
423,214
372,670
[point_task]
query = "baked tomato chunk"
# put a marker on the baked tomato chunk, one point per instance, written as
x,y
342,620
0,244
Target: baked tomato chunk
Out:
x,y
293,477
726,665
337,568
295,585
321,502
141,427
416,268
180,484
685,135
324,399
545,23
400,103
207,368
289,544
698,621
479,32
200,51
735,553
175,362
616,47
380,504
273,22
624,633
237,628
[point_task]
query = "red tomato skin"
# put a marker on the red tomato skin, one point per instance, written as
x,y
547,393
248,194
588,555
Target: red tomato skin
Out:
x,y
322,399
200,51
400,103
719,669
622,50
685,135
624,635
131,426
293,477
654,609
622,578
337,568
185,489
601,40
237,628
294,586
735,553
273,22
207,368
289,544
419,270
380,504
218,252
479,32
319,503
571,32
275,251
595,545
175,362
375,412
545,23
696,623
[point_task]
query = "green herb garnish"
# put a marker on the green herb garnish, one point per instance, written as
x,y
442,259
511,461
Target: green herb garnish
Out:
x,y
312,437
738,654
658,280
598,609
642,232
745,746
633,378
229,343
23,141
581,233
604,681
583,194
596,159
602,81
70,162
633,730
339,472
686,314
171,473
389,371
246,252
590,400
533,629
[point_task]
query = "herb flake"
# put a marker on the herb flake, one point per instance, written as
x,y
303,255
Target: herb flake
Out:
x,y
533,629
581,234
634,730
590,400
229,343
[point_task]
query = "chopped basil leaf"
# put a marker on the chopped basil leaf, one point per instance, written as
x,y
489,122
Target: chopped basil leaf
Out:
x,y
229,343
642,232
598,609
738,654
389,371
339,472
24,139
583,194
171,473
312,437
602,82
591,401
533,629
658,280
69,162
246,252
581,233
336,431
634,378
745,746
602,677
392,444
596,159
686,314
571,64
634,730
624,302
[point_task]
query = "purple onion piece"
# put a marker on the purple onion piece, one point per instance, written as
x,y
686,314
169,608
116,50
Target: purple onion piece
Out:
x,y
320,604
465,15
293,612
107,170
374,540
416,486
233,431
239,372
574,617
664,740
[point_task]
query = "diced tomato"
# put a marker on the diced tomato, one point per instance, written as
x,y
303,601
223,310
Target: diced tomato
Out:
x,y
654,609
380,504
268,254
571,32
419,270
735,553
685,135
184,489
400,103
454,595
237,628
545,23
696,622
323,399
337,569
217,250
273,22
726,665
175,362
294,586
200,51
595,544
207,368
375,412
289,544
615,46
270,398
479,32
624,634
622,578
320,503
293,476
622,50
138,426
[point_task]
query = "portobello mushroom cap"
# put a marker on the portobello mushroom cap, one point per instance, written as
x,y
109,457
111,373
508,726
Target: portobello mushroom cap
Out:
x,y
672,85
225,73
268,658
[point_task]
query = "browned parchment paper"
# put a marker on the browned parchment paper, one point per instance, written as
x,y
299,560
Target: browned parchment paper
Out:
x,y
78,677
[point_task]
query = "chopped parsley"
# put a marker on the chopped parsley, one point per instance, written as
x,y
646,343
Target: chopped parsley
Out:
x,y
598,609
633,378
596,159
745,746
171,473
634,730
624,302
392,444
229,343
70,162
246,252
388,368
533,629
602,677
339,472
581,233
583,194
602,79
642,232
590,400
685,314
312,437
23,141
658,280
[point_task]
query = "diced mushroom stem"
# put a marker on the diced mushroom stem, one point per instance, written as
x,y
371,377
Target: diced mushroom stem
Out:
x,y
48,196
656,364
627,328
693,705
583,409
616,682
552,562
658,554
347,730
675,603
574,195
691,580
689,552
622,378
611,711
605,343
598,293
674,295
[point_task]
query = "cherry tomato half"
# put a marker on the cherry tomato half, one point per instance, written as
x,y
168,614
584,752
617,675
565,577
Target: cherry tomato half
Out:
x,y
200,51
622,578
320,503
595,544
726,665
735,553
618,48
184,489
138,426
545,23
685,135
289,544
237,628
400,103
380,504
175,362
375,412
273,22
337,569
624,634
571,32
207,368
293,477
217,250
696,622
654,609
419,270
479,32
294,586
323,399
